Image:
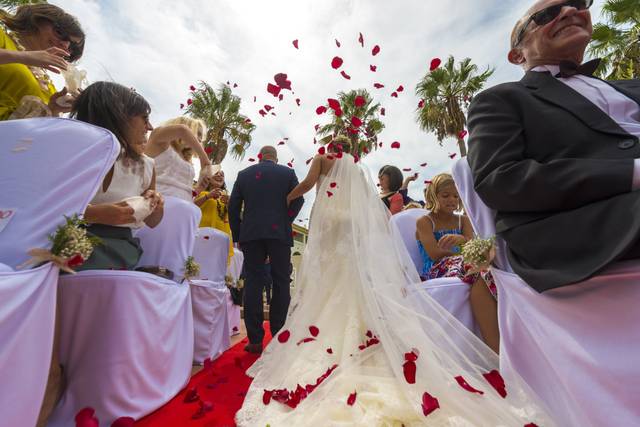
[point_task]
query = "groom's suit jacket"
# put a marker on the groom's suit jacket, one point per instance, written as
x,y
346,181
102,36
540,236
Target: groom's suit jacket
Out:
x,y
258,203
558,172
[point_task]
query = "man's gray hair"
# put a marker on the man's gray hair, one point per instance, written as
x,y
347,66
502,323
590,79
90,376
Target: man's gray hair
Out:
x,y
269,152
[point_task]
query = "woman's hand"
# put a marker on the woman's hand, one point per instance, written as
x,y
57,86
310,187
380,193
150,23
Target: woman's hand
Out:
x,y
448,241
215,193
224,198
51,59
58,98
156,199
109,214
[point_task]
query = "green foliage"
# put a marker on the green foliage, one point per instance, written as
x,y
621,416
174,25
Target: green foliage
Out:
x,y
12,5
220,110
363,139
446,92
617,41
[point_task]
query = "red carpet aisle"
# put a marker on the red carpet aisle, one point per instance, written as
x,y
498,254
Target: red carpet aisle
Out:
x,y
212,396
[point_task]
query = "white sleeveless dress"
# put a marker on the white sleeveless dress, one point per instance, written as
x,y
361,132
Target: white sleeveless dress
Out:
x,y
174,175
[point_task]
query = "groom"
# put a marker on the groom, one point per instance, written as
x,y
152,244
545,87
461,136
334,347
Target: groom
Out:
x,y
556,155
261,222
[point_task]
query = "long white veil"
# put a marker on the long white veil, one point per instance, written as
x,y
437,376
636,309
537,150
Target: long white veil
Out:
x,y
355,287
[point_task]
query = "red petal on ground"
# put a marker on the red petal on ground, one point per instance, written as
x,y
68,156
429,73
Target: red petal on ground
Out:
x,y
85,418
191,395
321,110
273,89
378,85
123,422
369,334
314,331
462,134
465,385
435,63
359,101
495,379
412,356
361,39
281,81
409,370
329,193
330,350
375,50
305,340
266,396
333,185
395,144
429,404
373,68
333,103
337,43
352,398
345,75
336,62
356,122
295,43
283,336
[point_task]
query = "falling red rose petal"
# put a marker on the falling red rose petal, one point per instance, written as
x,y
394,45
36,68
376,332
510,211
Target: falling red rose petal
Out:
x,y
375,50
314,331
268,108
361,39
435,63
262,113
383,111
352,399
373,68
356,122
465,385
337,43
283,336
251,159
427,181
462,134
395,144
531,425
421,103
321,150
333,103
336,62
290,164
309,160
423,164
359,101
181,106
189,101
429,404
452,155
295,43
394,95
281,81
345,75
378,85
281,143
495,379
298,101
273,89
409,370
406,169
321,110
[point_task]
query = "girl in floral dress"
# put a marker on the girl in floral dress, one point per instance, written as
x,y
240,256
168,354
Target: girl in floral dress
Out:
x,y
440,235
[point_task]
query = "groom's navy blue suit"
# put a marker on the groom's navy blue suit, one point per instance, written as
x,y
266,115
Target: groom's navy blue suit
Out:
x,y
261,222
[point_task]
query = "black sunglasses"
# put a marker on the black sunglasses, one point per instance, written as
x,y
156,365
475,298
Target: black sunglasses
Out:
x,y
62,34
548,14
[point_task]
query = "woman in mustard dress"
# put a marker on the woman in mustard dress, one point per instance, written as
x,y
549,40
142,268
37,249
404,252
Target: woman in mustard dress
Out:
x,y
36,39
212,199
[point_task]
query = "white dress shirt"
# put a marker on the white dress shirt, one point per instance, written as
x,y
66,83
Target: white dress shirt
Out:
x,y
622,109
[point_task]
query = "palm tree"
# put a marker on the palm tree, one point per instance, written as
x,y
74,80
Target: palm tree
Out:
x,y
220,110
445,94
13,4
359,104
617,42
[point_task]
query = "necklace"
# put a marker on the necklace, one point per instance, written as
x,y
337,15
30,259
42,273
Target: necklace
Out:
x,y
38,72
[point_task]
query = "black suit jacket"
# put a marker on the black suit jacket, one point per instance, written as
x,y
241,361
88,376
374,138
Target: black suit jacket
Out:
x,y
262,190
558,171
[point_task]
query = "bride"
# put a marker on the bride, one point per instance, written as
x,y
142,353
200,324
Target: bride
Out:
x,y
357,349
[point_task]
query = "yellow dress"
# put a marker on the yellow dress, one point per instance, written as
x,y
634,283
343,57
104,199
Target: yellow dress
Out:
x,y
211,218
17,81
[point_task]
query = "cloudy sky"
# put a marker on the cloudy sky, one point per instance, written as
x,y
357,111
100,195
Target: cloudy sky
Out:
x,y
161,47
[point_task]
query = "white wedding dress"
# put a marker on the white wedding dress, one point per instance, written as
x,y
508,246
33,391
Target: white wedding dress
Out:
x,y
347,352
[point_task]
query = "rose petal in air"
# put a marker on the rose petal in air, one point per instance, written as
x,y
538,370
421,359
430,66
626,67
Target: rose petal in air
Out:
x,y
400,88
373,68
375,50
281,81
192,88
462,134
352,399
395,144
330,350
321,110
423,165
429,404
189,101
452,155
336,62
361,39
421,103
383,111
273,89
465,385
337,43
181,106
268,108
394,95
406,169
298,101
295,43
283,336
378,85
334,104
262,112
345,75
435,63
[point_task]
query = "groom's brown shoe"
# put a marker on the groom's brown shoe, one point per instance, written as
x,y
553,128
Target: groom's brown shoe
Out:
x,y
253,348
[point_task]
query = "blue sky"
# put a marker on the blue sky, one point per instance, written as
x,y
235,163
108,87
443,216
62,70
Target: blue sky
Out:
x,y
161,47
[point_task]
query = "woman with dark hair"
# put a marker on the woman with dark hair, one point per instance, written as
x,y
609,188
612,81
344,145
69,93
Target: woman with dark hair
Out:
x,y
390,181
110,216
213,200
36,39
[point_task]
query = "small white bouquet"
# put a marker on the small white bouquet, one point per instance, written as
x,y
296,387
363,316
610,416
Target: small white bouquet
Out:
x,y
479,253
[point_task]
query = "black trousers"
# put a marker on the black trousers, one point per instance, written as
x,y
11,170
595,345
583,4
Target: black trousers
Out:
x,y
255,253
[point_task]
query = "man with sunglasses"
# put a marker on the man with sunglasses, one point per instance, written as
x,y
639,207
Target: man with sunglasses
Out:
x,y
556,154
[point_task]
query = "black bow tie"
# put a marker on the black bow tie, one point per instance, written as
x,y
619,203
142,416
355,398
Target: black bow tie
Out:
x,y
569,69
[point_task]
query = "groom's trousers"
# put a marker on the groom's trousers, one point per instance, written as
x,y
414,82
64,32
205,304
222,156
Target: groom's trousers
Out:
x,y
255,253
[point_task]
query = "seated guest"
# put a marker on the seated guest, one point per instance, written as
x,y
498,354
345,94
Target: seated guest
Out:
x,y
556,153
213,199
390,181
126,114
173,145
440,234
36,39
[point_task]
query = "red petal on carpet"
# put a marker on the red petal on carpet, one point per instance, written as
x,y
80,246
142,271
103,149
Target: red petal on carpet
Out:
x,y
223,385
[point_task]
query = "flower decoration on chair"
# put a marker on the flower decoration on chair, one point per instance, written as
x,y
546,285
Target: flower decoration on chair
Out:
x,y
191,268
479,253
71,246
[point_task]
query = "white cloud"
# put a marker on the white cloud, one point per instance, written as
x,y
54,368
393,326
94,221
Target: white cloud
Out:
x,y
160,47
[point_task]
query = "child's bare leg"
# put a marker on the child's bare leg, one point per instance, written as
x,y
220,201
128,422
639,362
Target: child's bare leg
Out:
x,y
485,312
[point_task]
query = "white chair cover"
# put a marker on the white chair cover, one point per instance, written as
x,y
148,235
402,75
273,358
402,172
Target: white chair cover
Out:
x,y
171,242
210,295
576,346
126,343
451,293
235,270
49,168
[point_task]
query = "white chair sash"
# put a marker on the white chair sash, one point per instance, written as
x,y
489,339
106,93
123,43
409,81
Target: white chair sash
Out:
x,y
235,270
575,346
49,168
211,250
210,319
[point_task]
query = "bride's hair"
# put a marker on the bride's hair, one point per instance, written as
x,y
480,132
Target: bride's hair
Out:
x,y
198,128
341,143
